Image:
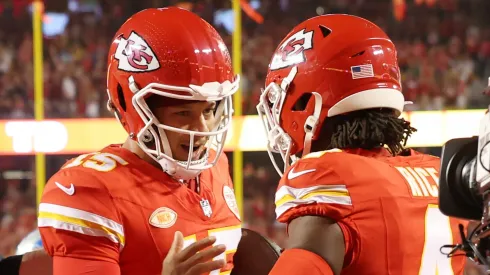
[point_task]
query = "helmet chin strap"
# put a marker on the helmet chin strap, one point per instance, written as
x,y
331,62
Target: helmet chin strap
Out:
x,y
311,124
288,79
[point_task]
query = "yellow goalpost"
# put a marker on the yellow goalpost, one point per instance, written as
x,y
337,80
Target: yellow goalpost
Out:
x,y
37,34
237,102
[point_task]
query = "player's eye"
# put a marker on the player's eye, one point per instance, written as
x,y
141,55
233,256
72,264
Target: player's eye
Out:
x,y
183,113
208,113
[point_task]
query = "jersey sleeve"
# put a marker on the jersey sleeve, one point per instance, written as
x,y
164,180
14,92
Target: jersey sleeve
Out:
x,y
320,184
78,218
314,186
64,265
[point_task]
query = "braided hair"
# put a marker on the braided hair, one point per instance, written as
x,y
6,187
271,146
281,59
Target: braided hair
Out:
x,y
368,129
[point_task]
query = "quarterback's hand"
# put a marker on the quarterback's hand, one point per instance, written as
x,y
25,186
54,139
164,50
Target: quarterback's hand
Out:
x,y
193,260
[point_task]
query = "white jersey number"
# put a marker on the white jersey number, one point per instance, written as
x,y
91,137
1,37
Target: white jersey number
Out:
x,y
228,236
102,162
437,233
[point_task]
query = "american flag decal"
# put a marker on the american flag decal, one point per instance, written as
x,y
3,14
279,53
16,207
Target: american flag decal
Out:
x,y
362,71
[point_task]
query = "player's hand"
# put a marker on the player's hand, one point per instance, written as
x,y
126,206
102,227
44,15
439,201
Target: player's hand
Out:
x,y
196,259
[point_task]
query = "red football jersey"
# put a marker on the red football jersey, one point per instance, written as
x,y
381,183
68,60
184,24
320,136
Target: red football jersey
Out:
x,y
113,206
386,207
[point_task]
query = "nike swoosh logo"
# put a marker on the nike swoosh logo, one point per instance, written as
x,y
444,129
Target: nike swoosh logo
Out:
x,y
69,191
292,174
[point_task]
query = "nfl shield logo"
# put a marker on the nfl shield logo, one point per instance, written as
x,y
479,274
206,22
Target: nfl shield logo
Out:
x,y
206,208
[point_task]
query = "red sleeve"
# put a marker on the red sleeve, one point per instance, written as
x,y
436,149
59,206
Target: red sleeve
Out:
x,y
78,219
319,185
65,266
313,186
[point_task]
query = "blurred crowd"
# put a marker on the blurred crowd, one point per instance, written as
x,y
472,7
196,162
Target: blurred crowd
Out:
x,y
443,52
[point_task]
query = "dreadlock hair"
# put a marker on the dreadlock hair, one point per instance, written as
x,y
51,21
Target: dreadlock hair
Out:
x,y
368,129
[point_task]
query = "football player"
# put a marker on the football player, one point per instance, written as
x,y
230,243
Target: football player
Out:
x,y
116,211
355,200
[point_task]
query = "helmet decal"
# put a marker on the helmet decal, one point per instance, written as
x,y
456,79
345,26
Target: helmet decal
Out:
x,y
135,55
292,51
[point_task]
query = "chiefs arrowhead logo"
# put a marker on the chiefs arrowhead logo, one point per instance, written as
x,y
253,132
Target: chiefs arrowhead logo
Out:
x,y
135,55
292,51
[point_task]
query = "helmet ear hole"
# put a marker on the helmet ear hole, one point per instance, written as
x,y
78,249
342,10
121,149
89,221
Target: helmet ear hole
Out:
x,y
358,54
302,102
325,31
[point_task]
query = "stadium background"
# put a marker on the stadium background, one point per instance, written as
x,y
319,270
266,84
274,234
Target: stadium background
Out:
x,y
443,48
